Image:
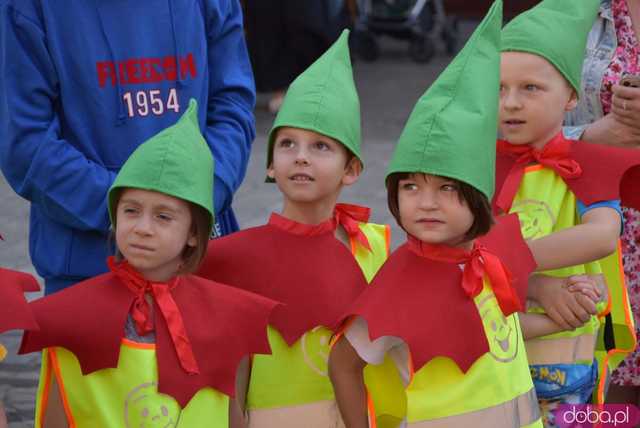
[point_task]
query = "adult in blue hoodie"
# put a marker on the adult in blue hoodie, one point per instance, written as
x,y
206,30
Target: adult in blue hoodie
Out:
x,y
83,83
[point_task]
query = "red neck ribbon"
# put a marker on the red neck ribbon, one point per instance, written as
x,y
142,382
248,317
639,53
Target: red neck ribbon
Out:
x,y
554,155
477,262
141,310
349,216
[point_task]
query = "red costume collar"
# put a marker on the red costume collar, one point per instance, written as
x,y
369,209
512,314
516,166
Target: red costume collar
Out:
x,y
141,309
477,263
556,155
346,215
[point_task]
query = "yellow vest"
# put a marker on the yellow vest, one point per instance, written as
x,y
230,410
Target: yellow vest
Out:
x,y
496,392
546,205
298,375
123,397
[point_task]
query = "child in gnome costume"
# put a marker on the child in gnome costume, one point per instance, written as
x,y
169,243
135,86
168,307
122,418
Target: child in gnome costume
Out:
x,y
15,313
566,194
316,256
444,306
148,342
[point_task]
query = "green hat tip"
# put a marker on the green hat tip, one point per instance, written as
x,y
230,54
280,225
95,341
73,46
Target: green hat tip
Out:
x,y
191,114
451,131
556,30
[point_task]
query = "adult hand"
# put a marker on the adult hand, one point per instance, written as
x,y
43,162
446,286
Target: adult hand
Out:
x,y
609,130
626,105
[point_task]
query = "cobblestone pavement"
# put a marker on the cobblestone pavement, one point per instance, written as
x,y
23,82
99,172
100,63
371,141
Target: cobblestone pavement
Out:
x,y
388,90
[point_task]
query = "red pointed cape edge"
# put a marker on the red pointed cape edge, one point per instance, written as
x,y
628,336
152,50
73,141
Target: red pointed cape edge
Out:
x,y
422,301
15,313
315,277
224,324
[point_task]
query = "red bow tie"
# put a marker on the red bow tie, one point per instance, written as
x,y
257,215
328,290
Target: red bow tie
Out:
x,y
141,310
477,262
554,155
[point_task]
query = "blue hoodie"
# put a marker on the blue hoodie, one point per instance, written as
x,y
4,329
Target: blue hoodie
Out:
x,y
84,82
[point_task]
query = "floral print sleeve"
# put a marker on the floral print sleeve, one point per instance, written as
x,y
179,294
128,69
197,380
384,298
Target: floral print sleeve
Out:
x,y
625,60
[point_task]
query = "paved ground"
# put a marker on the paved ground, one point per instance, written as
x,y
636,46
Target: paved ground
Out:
x,y
388,90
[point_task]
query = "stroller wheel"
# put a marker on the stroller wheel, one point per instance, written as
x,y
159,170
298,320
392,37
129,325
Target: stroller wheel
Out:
x,y
450,36
421,50
365,45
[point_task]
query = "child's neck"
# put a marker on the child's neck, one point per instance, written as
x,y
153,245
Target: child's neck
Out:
x,y
540,143
159,274
465,245
308,213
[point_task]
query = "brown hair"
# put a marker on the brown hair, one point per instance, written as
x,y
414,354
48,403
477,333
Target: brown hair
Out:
x,y
200,227
476,201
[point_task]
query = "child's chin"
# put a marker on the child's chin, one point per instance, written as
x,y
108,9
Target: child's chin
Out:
x,y
517,141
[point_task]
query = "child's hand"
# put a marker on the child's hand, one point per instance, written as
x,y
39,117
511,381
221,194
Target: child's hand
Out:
x,y
568,309
586,285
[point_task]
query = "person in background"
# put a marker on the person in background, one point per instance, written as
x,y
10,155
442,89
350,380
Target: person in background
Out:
x,y
609,113
82,84
287,36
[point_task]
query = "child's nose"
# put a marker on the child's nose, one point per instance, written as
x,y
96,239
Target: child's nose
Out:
x,y
302,157
510,100
428,200
143,226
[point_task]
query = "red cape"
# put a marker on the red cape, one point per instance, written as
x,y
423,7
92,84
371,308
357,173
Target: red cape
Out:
x,y
15,313
224,324
422,301
316,277
603,169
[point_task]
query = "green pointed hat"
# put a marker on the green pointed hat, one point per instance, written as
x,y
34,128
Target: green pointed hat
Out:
x,y
557,30
452,130
323,99
177,162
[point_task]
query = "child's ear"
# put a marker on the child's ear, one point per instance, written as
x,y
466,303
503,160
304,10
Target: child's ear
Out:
x,y
352,171
192,241
573,101
270,172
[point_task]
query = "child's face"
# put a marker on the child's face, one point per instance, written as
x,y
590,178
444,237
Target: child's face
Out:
x,y
432,211
152,230
534,97
309,167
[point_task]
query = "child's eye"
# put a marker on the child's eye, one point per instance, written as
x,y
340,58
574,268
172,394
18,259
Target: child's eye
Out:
x,y
449,188
408,186
321,145
164,217
285,143
532,87
128,210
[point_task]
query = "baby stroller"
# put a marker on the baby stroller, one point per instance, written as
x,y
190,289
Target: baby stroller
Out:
x,y
419,21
